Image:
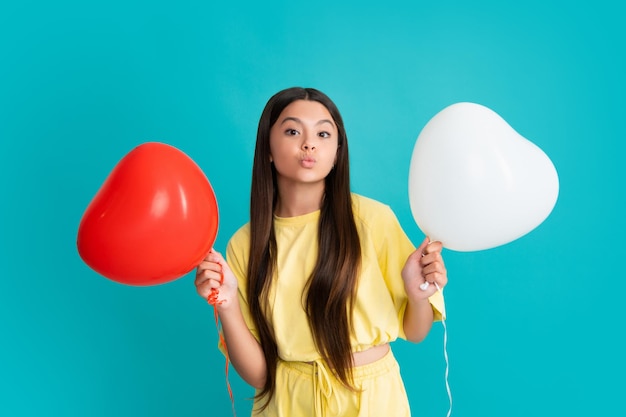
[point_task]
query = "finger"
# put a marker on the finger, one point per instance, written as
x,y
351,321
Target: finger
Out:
x,y
206,258
210,283
213,256
433,277
433,268
431,258
207,271
221,261
209,265
433,247
213,253
438,277
208,274
208,286
213,281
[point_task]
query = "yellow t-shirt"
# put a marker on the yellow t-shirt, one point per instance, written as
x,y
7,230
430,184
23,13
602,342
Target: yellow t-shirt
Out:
x,y
380,296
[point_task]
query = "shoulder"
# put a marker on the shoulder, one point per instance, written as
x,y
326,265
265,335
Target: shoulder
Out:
x,y
237,251
241,238
378,223
374,216
243,233
239,242
369,210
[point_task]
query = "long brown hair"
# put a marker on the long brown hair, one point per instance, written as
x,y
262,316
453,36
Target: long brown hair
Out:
x,y
332,284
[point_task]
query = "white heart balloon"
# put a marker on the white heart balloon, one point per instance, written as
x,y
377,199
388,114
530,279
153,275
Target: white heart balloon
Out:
x,y
475,183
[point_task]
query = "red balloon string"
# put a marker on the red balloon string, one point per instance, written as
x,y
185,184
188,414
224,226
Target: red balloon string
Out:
x,y
213,300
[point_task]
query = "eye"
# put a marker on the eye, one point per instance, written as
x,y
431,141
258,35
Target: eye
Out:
x,y
324,135
291,132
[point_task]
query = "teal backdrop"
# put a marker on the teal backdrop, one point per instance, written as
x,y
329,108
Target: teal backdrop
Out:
x,y
535,326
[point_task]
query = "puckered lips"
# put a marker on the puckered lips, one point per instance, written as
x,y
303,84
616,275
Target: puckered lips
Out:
x,y
307,161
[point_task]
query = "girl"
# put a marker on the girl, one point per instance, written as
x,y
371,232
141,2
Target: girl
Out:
x,y
321,280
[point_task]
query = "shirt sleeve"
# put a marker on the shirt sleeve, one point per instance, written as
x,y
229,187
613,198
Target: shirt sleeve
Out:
x,y
393,251
237,258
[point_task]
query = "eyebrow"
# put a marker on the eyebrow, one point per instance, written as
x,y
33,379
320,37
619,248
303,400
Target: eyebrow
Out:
x,y
295,119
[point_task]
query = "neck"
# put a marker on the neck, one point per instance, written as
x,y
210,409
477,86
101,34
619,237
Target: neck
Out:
x,y
299,199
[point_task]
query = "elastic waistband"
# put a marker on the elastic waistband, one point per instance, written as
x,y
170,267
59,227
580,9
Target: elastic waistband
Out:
x,y
361,372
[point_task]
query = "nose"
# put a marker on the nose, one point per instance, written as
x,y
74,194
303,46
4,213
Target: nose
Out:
x,y
308,144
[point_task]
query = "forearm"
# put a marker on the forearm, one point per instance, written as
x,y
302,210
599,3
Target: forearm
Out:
x,y
244,350
418,319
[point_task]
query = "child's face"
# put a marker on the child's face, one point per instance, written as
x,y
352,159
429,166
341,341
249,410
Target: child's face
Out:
x,y
304,142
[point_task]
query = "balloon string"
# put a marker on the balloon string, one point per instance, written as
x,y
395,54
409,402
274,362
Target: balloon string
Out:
x,y
213,300
445,355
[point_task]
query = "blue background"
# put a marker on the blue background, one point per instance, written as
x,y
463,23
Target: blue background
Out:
x,y
534,326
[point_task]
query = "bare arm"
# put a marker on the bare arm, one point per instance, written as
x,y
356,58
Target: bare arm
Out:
x,y
423,265
244,351
418,320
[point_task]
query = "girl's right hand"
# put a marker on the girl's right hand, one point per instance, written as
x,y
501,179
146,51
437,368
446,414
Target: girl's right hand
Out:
x,y
214,274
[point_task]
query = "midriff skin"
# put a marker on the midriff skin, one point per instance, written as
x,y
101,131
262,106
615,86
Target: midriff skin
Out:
x,y
370,355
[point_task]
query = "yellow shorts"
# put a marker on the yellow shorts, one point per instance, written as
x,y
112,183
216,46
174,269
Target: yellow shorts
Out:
x,y
309,389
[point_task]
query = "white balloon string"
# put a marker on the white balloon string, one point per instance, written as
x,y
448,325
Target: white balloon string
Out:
x,y
445,355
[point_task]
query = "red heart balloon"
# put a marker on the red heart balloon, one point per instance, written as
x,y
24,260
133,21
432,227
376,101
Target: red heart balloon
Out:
x,y
153,220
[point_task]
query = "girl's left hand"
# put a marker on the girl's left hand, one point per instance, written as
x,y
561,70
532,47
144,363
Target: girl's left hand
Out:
x,y
425,264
